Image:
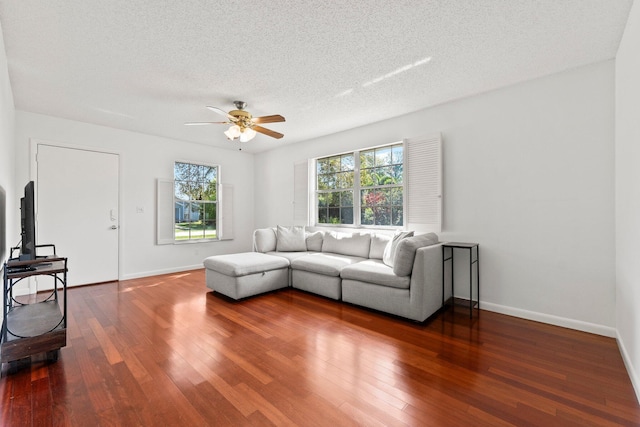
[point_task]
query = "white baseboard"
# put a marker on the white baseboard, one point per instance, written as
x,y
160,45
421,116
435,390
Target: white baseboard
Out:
x,y
159,272
633,375
579,325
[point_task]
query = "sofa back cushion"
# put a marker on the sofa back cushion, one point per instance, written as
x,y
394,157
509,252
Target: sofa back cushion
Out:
x,y
389,255
264,240
347,244
378,244
406,252
314,241
290,239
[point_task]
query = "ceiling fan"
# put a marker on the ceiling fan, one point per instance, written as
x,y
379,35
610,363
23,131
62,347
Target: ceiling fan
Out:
x,y
243,125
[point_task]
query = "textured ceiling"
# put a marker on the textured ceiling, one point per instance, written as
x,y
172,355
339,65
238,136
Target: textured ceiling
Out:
x,y
150,65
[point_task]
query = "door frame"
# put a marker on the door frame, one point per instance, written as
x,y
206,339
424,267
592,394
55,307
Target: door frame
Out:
x,y
33,175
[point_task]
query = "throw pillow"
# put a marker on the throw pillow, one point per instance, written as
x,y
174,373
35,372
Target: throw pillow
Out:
x,y
406,252
390,250
378,244
290,239
314,241
347,244
264,240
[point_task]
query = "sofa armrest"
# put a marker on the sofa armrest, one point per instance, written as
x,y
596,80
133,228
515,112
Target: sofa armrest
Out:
x,y
426,280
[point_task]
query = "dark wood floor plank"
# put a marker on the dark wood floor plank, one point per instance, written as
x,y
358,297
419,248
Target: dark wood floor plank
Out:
x,y
71,403
165,350
21,398
213,407
361,417
6,393
41,402
203,365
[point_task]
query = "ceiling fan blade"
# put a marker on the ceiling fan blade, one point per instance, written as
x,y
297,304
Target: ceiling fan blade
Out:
x,y
268,119
267,132
206,123
222,112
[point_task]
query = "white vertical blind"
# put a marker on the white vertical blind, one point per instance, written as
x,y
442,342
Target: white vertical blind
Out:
x,y
164,212
301,193
423,173
225,205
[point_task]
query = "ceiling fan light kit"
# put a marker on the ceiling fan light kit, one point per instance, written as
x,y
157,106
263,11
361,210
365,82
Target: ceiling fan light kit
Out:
x,y
233,132
243,125
247,135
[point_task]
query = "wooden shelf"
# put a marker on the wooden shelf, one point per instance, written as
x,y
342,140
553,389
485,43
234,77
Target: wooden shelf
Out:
x,y
19,348
461,302
22,269
34,319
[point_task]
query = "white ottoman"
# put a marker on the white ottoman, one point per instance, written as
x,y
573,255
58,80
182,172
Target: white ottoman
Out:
x,y
245,274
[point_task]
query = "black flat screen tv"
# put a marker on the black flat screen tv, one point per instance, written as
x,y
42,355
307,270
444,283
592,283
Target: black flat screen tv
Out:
x,y
28,223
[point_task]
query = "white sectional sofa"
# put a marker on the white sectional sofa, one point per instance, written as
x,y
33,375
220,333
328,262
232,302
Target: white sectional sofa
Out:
x,y
400,274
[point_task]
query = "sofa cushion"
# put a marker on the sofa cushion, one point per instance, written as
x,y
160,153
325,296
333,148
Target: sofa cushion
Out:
x,y
290,239
378,244
288,255
264,240
390,250
328,264
314,241
406,252
376,272
347,244
242,264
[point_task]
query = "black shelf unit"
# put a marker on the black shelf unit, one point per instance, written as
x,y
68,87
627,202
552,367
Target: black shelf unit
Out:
x,y
30,328
452,246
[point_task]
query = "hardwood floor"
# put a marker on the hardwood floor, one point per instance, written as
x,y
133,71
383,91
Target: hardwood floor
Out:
x,y
164,351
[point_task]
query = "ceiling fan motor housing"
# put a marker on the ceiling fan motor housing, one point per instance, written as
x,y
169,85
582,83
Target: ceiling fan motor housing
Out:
x,y
240,113
243,118
240,105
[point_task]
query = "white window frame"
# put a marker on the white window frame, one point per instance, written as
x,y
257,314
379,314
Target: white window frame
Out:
x,y
357,205
217,203
422,193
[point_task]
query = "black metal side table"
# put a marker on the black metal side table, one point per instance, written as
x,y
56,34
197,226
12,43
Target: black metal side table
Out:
x,y
470,246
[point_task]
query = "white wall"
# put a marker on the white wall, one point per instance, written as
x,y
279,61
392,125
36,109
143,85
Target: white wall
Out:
x,y
7,153
528,173
628,195
143,159
11,234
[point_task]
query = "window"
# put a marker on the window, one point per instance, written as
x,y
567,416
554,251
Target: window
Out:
x,y
381,186
195,201
361,188
335,177
397,185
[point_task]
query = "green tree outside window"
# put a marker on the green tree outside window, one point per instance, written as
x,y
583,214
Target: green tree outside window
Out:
x,y
196,201
380,187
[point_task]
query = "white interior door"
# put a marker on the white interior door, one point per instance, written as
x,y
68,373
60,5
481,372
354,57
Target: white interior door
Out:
x,y
77,210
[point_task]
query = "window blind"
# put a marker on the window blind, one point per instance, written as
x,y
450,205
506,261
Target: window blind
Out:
x,y
225,201
301,193
165,211
423,173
